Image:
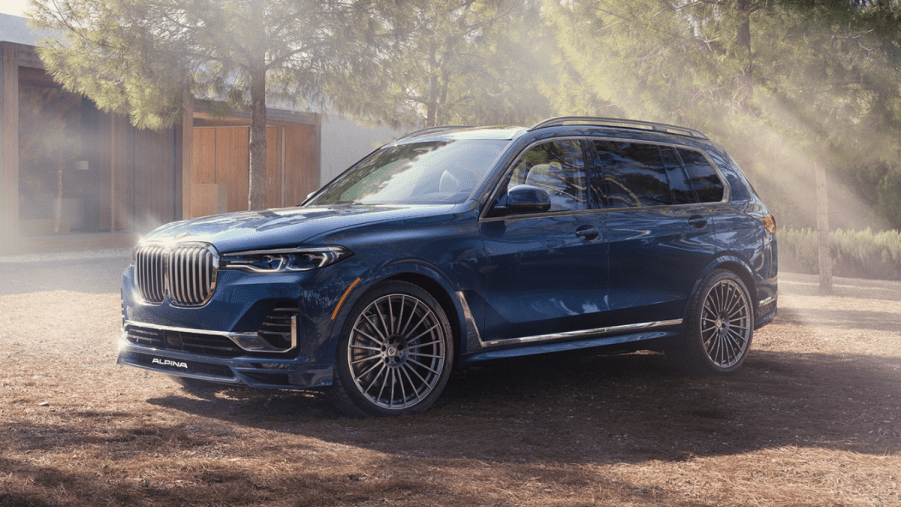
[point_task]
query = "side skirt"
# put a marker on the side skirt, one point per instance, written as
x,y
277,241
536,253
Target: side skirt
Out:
x,y
555,342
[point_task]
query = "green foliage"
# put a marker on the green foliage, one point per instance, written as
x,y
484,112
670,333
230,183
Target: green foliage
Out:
x,y
855,253
472,62
783,85
143,57
139,57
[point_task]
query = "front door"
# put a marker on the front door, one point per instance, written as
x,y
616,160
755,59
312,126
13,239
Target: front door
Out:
x,y
546,271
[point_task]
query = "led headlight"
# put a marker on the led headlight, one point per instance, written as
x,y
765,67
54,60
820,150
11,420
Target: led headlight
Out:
x,y
283,260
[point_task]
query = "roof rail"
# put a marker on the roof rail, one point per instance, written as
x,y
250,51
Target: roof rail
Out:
x,y
431,130
617,122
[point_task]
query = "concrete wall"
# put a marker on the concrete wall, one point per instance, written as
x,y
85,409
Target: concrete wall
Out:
x,y
344,142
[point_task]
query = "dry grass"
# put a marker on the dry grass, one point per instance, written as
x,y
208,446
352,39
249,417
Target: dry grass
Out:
x,y
814,418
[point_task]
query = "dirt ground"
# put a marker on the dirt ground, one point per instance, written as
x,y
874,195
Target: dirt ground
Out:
x,y
814,418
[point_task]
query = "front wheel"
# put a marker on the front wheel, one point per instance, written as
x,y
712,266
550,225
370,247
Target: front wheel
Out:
x,y
395,353
719,327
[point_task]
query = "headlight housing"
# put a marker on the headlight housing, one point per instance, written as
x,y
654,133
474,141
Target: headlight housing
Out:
x,y
283,260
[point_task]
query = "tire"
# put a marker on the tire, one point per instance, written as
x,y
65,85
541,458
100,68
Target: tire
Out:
x,y
719,327
395,353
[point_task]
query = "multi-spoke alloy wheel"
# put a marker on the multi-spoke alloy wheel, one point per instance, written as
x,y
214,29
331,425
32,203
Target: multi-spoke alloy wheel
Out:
x,y
719,327
397,352
726,323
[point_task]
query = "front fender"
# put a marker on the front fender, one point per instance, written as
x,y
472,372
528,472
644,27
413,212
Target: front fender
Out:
x,y
411,270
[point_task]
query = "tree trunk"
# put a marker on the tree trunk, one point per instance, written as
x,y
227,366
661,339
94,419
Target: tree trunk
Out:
x,y
825,257
256,198
743,40
432,107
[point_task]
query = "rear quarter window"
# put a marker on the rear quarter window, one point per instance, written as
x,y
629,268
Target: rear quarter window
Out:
x,y
702,176
680,187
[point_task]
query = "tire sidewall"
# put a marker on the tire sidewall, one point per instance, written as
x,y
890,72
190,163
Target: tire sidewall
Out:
x,y
693,338
344,377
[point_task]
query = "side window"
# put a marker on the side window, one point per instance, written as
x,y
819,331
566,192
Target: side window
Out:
x,y
702,176
556,167
681,189
633,174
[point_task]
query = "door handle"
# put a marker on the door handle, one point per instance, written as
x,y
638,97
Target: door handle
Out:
x,y
587,232
697,221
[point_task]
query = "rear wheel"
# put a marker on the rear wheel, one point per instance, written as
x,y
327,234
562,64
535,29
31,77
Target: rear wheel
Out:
x,y
719,328
395,354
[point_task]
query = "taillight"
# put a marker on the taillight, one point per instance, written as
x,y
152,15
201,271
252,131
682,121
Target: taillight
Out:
x,y
769,223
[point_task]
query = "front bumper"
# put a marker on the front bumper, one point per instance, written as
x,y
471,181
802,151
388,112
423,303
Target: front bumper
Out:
x,y
256,330
224,367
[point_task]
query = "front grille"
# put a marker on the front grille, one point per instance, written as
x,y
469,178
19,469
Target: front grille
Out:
x,y
150,272
145,336
191,275
186,273
195,343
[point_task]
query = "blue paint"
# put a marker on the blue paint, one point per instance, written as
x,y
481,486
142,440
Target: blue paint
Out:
x,y
428,219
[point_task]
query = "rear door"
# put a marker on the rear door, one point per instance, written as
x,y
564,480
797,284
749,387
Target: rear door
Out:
x,y
659,237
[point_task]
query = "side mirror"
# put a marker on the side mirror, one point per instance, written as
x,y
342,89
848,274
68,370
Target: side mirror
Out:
x,y
523,199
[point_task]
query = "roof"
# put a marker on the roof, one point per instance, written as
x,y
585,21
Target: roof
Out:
x,y
15,29
452,132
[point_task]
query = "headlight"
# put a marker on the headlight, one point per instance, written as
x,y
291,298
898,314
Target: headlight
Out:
x,y
284,260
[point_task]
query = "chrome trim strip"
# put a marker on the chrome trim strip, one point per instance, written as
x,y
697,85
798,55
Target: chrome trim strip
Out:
x,y
764,302
491,194
234,337
582,333
471,327
293,330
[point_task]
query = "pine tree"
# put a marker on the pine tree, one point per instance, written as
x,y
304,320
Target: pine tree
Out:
x,y
141,57
467,62
781,83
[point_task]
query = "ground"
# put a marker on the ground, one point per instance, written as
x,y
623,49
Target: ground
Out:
x,y
813,418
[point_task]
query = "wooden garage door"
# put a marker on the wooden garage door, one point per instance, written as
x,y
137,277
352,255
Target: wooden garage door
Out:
x,y
221,166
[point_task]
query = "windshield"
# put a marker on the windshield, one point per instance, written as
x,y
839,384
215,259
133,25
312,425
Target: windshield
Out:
x,y
429,172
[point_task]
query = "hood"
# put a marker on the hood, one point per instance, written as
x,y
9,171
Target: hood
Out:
x,y
286,227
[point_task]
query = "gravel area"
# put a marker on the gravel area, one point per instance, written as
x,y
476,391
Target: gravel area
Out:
x,y
813,418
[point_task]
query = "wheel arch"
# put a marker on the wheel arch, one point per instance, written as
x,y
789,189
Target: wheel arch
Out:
x,y
417,274
735,265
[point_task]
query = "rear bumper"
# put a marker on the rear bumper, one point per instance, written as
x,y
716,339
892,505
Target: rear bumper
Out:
x,y
767,309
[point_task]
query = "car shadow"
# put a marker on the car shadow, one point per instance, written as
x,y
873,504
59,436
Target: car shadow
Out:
x,y
601,408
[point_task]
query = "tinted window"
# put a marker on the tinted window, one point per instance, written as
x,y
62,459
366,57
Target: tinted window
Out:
x,y
702,176
558,168
633,174
682,192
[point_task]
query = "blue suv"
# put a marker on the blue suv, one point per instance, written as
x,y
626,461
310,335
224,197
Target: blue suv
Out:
x,y
457,245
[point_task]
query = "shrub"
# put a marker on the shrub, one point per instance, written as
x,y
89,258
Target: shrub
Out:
x,y
855,254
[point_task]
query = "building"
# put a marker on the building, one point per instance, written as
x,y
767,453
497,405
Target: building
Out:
x,y
74,178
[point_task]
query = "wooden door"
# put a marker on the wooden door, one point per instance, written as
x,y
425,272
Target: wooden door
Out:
x,y
221,161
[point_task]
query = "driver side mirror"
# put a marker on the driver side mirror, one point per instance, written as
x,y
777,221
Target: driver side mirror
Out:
x,y
522,199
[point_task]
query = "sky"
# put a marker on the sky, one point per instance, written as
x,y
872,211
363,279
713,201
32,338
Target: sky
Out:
x,y
14,7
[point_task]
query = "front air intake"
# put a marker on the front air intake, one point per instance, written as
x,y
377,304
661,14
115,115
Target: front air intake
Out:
x,y
186,273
